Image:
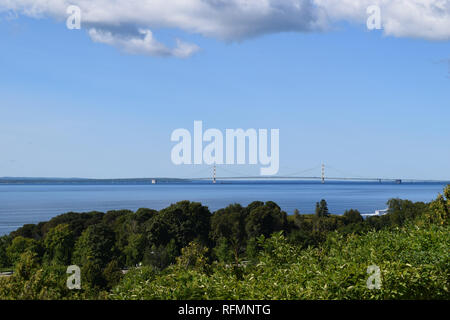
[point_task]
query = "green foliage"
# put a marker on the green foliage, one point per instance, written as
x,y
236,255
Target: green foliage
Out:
x,y
112,274
58,244
26,265
160,256
130,235
96,245
252,249
323,225
414,264
228,226
31,231
21,245
30,281
193,257
353,216
265,220
78,222
253,205
92,275
112,216
134,250
144,214
322,209
440,208
5,241
401,211
184,221
303,238
134,284
222,251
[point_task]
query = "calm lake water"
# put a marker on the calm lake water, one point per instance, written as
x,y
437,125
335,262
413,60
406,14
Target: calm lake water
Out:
x,y
22,204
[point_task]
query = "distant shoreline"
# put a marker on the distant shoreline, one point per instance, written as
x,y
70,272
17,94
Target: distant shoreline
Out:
x,y
58,181
153,181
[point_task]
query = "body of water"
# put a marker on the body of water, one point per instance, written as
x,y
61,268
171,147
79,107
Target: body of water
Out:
x,y
23,204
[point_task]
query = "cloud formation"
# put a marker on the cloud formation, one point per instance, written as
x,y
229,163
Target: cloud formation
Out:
x,y
128,24
145,44
426,19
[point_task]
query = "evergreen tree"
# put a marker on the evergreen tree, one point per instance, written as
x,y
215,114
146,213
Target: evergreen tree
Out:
x,y
324,208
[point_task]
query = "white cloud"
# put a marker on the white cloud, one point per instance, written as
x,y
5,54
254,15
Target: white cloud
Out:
x,y
145,44
427,19
126,24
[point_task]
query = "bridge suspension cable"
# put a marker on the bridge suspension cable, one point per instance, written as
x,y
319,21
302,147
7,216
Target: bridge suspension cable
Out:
x,y
345,174
301,172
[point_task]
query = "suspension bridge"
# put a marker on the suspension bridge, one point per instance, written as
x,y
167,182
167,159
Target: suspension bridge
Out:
x,y
321,176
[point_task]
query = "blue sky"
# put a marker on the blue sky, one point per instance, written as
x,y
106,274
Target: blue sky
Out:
x,y
367,103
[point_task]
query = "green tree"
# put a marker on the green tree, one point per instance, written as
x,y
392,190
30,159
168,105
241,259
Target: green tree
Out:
x,y
112,274
223,252
58,244
229,224
26,265
144,214
78,222
130,235
134,250
265,220
401,211
440,208
324,208
253,205
31,231
160,256
4,243
193,257
96,244
20,245
112,216
353,216
252,249
92,275
317,211
183,221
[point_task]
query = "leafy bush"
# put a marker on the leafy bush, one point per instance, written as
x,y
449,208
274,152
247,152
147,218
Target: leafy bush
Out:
x,y
414,264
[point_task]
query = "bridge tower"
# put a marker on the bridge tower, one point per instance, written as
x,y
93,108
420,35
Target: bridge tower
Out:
x,y
214,174
323,173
